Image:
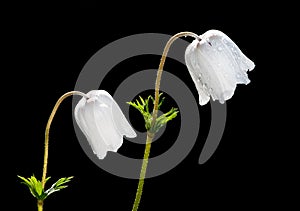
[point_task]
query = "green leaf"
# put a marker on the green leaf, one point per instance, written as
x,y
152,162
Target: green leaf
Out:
x,y
143,107
58,185
163,119
142,100
36,188
147,104
25,181
160,101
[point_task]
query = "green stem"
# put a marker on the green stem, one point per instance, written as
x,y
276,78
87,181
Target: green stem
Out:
x,y
143,173
154,115
40,205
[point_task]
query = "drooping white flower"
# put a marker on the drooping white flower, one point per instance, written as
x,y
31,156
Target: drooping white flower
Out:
x,y
102,122
216,65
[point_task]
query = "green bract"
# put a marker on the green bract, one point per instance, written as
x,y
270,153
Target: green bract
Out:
x,y
36,188
143,107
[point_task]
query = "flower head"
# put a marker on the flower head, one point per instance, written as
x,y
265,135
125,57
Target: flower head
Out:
x,y
216,65
102,122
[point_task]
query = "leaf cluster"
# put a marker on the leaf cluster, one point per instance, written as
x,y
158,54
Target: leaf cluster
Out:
x,y
36,188
143,107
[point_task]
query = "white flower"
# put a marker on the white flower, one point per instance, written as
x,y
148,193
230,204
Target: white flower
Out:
x,y
216,65
102,122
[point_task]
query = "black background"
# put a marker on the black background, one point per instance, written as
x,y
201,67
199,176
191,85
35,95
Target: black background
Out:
x,y
49,47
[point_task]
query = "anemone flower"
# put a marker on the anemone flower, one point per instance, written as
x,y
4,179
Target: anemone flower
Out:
x,y
102,122
216,65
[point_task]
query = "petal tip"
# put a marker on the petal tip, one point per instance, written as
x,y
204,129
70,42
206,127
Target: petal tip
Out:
x,y
202,101
132,134
101,156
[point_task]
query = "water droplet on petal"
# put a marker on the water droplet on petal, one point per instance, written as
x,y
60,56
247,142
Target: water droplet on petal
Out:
x,y
220,48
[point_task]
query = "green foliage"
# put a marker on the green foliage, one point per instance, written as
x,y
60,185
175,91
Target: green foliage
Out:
x,y
143,107
36,188
164,118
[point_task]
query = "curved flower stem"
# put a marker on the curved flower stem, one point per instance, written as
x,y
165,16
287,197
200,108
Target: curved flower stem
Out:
x,y
40,202
48,129
154,114
161,65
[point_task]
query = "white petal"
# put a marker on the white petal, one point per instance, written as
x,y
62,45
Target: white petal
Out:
x,y
193,64
102,122
119,120
106,127
243,63
216,65
84,117
78,117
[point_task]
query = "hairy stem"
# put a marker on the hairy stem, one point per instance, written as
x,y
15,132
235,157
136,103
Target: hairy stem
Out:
x,y
48,129
143,173
161,65
154,115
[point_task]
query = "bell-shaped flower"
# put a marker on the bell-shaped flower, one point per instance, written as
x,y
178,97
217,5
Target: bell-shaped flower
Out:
x,y
102,122
216,65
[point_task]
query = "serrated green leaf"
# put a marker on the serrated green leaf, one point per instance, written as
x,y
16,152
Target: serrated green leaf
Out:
x,y
147,104
163,119
160,100
142,100
47,179
63,181
36,188
58,185
143,107
138,104
25,181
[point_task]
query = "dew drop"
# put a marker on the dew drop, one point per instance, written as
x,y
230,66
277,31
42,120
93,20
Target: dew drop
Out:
x,y
220,48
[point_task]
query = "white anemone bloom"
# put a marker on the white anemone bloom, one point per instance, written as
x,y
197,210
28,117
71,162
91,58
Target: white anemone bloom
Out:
x,y
102,122
216,65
